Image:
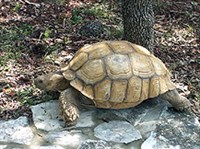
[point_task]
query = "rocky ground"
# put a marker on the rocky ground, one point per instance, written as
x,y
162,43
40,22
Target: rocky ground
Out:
x,y
152,125
36,36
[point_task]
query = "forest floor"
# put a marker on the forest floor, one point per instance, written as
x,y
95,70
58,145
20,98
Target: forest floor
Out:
x,y
35,35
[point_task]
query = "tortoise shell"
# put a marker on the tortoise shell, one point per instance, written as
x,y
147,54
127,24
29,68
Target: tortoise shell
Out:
x,y
117,74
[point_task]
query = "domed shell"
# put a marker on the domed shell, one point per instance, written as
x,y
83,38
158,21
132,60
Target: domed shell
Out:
x,y
117,74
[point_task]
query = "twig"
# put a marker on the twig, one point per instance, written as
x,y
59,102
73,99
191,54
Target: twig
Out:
x,y
30,3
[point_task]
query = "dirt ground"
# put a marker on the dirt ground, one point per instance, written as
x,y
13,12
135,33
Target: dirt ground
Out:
x,y
36,36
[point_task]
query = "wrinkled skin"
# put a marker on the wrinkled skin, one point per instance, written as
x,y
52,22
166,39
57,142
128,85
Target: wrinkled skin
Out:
x,y
69,98
51,82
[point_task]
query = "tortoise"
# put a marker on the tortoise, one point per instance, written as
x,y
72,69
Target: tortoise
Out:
x,y
111,75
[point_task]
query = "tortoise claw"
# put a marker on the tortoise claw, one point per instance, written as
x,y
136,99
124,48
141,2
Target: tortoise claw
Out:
x,y
70,114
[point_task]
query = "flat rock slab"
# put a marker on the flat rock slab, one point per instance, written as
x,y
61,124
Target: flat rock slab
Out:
x,y
65,138
154,142
46,115
3,146
94,144
117,131
47,147
174,130
180,129
86,119
159,127
17,131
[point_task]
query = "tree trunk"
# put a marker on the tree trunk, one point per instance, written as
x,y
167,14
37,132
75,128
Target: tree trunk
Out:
x,y
138,20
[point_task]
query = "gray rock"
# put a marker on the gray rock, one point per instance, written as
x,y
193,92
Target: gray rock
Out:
x,y
3,146
154,142
146,128
180,129
150,110
94,144
110,115
117,131
86,119
161,127
170,129
17,131
47,147
65,138
46,115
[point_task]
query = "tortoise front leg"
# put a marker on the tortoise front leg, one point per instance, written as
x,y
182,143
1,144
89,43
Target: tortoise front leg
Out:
x,y
177,101
69,103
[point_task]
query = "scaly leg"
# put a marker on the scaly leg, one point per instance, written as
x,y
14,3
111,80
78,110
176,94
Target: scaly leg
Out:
x,y
177,101
69,103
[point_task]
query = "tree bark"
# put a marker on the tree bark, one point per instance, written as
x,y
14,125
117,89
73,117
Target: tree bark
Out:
x,y
138,20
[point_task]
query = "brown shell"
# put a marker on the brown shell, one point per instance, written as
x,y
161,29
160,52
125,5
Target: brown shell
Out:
x,y
117,74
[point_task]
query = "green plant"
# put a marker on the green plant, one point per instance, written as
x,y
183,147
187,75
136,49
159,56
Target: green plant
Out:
x,y
116,31
17,6
47,33
58,2
12,41
26,96
76,17
197,95
97,10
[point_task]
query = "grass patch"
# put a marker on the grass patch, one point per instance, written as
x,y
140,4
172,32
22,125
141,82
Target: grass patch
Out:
x,y
13,44
17,7
117,31
27,96
11,41
58,2
80,14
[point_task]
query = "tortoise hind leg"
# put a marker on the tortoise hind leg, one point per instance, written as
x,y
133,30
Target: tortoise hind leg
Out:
x,y
69,104
177,101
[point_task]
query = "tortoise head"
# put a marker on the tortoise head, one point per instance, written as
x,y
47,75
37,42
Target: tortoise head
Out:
x,y
54,81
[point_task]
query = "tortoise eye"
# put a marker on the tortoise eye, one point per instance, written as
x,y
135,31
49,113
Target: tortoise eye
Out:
x,y
40,81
